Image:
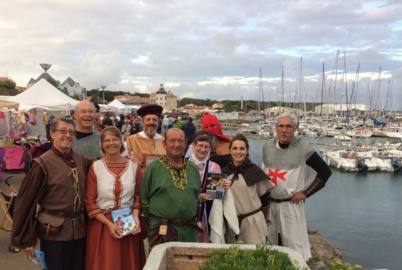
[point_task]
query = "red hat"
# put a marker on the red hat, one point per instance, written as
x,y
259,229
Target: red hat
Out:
x,y
211,124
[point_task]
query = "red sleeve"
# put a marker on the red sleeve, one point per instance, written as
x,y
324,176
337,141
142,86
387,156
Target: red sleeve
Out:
x,y
138,178
91,194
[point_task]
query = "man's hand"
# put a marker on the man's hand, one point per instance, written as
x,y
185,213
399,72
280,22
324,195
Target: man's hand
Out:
x,y
297,197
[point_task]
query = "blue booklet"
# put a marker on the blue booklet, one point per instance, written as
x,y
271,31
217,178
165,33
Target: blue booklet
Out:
x,y
215,187
124,219
39,259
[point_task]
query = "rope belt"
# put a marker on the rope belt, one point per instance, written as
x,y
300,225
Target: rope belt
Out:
x,y
179,222
279,200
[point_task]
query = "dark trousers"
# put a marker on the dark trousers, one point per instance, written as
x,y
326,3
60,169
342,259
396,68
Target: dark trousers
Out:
x,y
64,255
26,168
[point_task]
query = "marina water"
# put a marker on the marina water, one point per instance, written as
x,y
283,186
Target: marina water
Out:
x,y
359,213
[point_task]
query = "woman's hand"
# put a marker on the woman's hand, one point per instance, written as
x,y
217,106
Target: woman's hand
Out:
x,y
114,231
205,197
137,224
30,251
226,184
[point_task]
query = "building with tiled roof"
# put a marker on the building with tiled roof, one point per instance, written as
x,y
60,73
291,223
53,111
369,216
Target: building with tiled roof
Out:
x,y
165,99
21,88
132,100
3,79
194,110
218,105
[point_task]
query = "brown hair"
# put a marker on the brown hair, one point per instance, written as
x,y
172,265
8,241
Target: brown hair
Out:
x,y
203,136
239,137
114,131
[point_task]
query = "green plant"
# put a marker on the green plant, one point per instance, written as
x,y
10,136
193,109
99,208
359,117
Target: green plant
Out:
x,y
338,264
263,257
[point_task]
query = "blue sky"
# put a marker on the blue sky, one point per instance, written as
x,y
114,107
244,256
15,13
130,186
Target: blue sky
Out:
x,y
208,49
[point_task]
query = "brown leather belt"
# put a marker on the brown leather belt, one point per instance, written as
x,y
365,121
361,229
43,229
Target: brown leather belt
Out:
x,y
61,213
279,200
242,217
180,223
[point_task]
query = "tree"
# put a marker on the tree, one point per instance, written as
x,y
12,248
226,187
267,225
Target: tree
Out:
x,y
95,99
53,82
7,88
65,91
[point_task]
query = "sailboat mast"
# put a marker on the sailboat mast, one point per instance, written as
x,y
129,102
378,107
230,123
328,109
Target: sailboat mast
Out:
x,y
259,96
283,89
322,88
302,93
336,77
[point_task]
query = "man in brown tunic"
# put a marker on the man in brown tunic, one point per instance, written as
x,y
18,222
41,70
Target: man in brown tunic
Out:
x,y
56,182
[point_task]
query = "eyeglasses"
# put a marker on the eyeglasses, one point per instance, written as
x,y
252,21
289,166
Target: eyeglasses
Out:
x,y
285,126
87,111
64,131
206,147
108,141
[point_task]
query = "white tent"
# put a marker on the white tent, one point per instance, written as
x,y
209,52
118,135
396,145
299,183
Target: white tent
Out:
x,y
117,103
107,108
121,108
8,103
44,95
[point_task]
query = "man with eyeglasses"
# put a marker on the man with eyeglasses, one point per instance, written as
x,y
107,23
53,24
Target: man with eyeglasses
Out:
x,y
86,137
55,182
169,193
148,141
298,172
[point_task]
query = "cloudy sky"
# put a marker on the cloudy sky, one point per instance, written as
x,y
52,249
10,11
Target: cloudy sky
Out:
x,y
210,49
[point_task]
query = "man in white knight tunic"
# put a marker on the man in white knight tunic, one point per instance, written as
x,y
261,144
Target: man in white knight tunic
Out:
x,y
298,172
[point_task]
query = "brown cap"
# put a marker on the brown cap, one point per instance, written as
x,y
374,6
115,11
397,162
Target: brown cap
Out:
x,y
150,109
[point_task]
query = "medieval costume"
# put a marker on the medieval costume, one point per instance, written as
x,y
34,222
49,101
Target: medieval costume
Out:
x,y
204,168
140,144
111,186
171,193
220,146
56,182
292,167
87,144
250,187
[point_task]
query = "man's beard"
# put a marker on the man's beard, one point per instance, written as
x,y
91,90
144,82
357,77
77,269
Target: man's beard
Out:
x,y
150,131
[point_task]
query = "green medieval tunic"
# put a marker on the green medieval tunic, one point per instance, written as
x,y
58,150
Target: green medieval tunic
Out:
x,y
170,192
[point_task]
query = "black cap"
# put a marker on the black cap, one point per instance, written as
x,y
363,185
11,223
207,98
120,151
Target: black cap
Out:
x,y
150,109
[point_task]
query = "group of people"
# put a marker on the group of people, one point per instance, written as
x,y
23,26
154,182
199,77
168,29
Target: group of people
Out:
x,y
86,176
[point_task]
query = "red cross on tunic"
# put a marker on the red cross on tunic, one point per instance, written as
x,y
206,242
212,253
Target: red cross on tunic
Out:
x,y
274,175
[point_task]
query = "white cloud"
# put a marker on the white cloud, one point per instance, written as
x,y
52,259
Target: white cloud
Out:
x,y
200,49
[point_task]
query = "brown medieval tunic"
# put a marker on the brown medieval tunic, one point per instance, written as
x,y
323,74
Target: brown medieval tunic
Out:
x,y
49,184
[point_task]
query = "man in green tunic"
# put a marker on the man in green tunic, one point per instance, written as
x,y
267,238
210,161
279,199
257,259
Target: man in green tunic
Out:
x,y
170,190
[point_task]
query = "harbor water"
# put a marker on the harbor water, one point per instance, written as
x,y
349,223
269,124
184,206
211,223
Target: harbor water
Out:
x,y
359,213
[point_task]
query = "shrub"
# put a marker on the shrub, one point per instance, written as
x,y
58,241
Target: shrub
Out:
x,y
263,257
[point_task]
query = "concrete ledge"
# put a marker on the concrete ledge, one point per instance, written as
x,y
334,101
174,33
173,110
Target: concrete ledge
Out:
x,y
183,256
